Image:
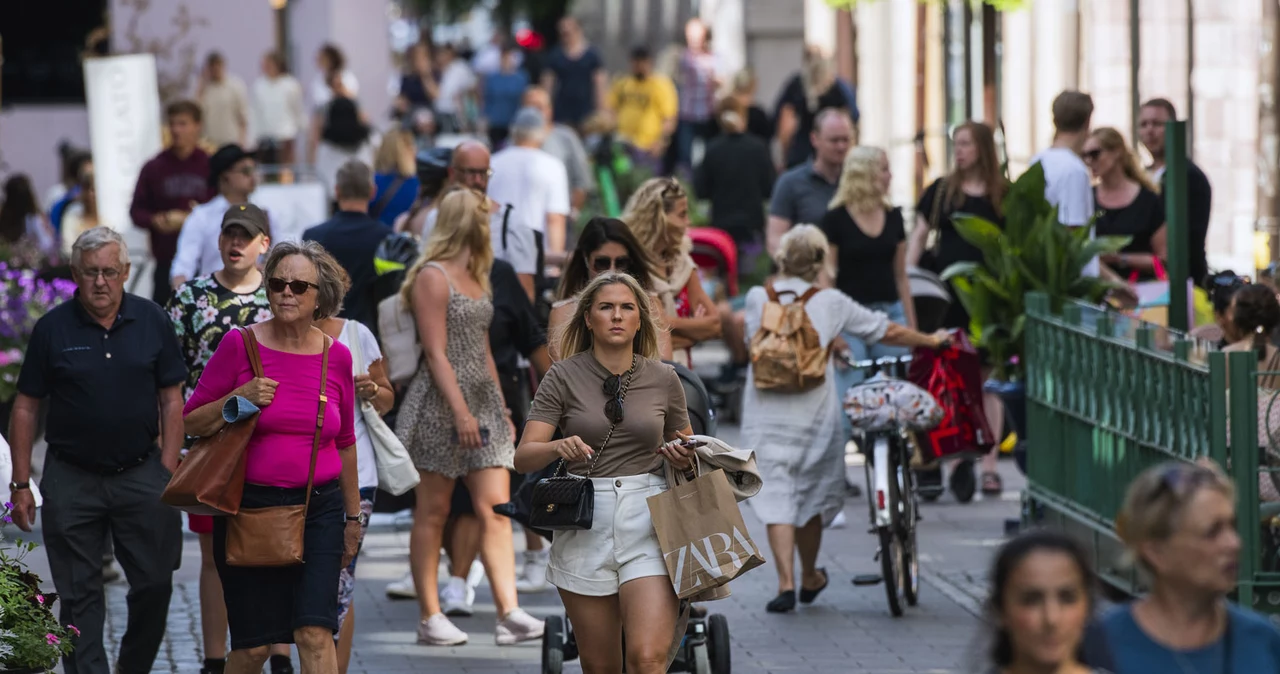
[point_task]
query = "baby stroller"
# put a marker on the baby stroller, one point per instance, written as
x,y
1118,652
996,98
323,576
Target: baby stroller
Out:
x,y
705,648
716,255
931,297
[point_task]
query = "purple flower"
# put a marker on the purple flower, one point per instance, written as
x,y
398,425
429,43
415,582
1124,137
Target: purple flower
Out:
x,y
74,629
8,505
40,599
52,639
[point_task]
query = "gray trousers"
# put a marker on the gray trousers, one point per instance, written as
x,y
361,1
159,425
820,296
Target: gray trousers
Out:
x,y
81,509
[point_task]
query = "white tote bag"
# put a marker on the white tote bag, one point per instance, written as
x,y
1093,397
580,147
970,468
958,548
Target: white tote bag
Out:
x,y
396,472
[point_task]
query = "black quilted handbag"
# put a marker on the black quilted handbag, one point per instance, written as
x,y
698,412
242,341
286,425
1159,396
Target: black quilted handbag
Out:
x,y
565,502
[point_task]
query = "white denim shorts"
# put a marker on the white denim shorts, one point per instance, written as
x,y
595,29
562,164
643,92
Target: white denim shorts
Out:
x,y
621,544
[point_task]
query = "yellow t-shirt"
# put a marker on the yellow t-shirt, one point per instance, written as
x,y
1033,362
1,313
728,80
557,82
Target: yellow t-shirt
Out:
x,y
641,106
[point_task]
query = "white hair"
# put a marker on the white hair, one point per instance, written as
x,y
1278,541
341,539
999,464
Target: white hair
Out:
x,y
95,238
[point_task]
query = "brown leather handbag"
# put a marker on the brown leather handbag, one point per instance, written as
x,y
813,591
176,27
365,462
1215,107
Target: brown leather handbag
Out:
x,y
275,536
210,480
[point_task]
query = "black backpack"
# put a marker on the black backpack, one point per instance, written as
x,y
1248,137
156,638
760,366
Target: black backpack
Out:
x,y
342,125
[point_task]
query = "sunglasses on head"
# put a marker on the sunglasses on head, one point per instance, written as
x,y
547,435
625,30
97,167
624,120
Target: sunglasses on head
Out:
x,y
1182,480
603,263
277,285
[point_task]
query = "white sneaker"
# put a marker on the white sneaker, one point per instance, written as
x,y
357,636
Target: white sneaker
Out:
x,y
838,522
440,631
533,573
456,598
518,626
475,575
403,588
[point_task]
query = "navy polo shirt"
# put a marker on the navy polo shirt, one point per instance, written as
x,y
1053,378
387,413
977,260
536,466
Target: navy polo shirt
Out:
x,y
103,385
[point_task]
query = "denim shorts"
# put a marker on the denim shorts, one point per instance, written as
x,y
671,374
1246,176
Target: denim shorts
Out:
x,y
266,605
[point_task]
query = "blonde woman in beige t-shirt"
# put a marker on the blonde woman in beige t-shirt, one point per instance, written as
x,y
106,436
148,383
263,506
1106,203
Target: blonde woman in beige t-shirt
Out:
x,y
612,577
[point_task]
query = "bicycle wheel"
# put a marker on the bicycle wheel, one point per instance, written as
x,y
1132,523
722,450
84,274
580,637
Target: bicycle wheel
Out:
x,y
910,560
891,544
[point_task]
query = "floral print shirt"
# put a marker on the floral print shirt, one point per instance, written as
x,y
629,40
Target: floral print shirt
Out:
x,y
203,312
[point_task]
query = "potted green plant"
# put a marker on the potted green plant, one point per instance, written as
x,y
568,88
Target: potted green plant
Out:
x,y
1033,252
31,638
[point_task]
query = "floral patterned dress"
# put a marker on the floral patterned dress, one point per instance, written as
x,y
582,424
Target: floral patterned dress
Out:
x,y
202,312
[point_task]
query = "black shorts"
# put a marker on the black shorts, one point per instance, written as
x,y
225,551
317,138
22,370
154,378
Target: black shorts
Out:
x,y
266,605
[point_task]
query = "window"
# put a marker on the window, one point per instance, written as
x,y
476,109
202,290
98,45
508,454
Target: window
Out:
x,y
43,44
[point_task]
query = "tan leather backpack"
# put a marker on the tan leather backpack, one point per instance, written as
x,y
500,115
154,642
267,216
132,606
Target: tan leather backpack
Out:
x,y
787,355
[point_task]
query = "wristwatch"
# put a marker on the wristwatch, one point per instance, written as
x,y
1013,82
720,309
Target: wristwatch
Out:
x,y
15,486
362,518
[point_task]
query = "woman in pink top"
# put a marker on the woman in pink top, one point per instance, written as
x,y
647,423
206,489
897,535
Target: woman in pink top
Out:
x,y
295,604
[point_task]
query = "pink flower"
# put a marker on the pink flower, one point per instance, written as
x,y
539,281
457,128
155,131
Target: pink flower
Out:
x,y
52,639
74,629
40,599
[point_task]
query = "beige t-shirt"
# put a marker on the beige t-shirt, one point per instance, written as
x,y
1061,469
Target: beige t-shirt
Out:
x,y
571,397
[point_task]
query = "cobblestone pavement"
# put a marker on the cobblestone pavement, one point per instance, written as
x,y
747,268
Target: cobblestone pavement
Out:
x,y
848,629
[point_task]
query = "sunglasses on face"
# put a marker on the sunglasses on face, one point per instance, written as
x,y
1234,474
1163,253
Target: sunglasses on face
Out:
x,y
1092,155
277,285
603,263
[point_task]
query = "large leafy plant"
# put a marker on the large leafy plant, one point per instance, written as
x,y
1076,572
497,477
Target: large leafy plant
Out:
x,y
1032,253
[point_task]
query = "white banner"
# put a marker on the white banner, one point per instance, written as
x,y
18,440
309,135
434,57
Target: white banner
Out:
x,y
124,132
293,208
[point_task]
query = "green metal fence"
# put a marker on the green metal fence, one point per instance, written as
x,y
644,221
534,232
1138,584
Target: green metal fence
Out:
x,y
1109,396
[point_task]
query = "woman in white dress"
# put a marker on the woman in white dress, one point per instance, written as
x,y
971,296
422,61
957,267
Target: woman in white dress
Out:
x,y
798,437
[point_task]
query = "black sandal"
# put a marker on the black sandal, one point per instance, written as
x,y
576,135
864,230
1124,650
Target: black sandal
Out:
x,y
785,602
807,596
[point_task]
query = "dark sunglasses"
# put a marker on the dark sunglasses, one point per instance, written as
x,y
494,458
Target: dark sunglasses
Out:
x,y
613,406
1092,155
604,263
277,285
1182,480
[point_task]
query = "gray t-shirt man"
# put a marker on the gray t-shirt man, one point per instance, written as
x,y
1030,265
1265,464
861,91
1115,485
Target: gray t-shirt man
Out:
x,y
801,196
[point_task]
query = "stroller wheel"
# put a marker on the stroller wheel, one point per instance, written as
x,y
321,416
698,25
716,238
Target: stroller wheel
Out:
x,y
718,643
553,641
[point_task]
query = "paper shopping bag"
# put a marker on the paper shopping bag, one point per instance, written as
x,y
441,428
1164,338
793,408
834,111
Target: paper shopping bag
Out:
x,y
703,538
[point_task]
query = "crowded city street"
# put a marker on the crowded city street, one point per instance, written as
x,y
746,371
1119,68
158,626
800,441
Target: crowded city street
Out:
x,y
851,633
644,336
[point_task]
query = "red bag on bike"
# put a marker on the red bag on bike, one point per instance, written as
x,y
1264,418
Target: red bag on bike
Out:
x,y
954,377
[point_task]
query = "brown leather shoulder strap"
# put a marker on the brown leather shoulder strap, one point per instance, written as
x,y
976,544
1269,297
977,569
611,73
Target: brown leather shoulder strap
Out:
x,y
251,348
768,289
808,294
324,401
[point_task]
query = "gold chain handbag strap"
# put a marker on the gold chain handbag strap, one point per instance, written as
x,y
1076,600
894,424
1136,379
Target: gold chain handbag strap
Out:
x,y
622,397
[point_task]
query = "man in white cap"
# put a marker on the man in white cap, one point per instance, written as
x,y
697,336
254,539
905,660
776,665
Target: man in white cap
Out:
x,y
536,185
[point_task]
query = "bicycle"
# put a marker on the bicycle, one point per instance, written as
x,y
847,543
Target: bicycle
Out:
x,y
893,499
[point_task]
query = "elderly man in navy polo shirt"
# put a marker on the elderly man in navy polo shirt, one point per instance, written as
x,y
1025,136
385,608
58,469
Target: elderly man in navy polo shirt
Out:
x,y
111,368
